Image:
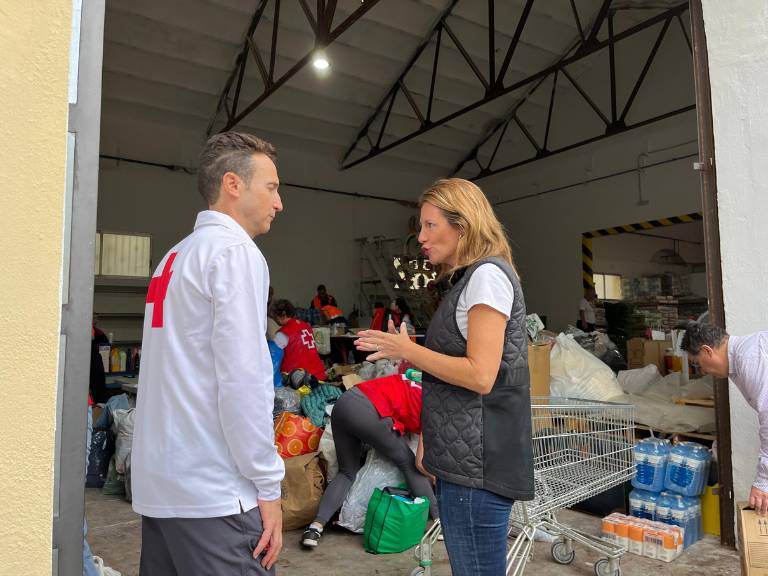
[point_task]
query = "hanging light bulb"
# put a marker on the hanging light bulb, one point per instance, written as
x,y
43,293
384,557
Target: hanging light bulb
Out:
x,y
669,256
320,61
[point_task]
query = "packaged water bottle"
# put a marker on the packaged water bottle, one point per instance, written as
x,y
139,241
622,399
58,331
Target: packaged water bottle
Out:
x,y
676,478
701,457
651,499
664,508
651,456
694,505
637,503
642,504
681,515
687,469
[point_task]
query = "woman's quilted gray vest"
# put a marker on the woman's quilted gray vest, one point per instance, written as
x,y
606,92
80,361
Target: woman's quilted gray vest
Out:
x,y
470,439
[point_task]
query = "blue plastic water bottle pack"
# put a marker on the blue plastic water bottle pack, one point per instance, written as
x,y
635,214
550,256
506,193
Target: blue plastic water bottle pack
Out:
x,y
642,504
687,469
651,456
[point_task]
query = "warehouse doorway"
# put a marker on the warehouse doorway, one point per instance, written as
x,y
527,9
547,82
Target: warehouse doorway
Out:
x,y
655,269
708,217
69,469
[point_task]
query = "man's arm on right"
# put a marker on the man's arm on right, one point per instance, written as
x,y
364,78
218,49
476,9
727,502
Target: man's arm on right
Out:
x,y
245,380
761,479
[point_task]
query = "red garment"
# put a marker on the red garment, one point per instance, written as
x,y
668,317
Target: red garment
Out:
x,y
398,398
381,318
378,319
317,302
301,351
332,311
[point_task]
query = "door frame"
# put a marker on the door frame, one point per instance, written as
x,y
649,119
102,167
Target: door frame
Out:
x,y
83,135
707,170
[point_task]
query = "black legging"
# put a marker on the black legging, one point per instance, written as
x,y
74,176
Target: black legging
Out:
x,y
354,420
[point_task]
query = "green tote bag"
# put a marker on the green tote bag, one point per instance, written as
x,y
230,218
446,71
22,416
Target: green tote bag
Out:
x,y
393,521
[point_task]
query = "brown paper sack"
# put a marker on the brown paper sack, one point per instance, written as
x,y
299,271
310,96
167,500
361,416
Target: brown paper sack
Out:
x,y
302,489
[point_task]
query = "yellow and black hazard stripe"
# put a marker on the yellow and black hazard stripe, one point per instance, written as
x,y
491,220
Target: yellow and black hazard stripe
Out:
x,y
586,238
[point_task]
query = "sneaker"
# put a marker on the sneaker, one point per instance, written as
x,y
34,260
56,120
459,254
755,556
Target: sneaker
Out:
x,y
310,538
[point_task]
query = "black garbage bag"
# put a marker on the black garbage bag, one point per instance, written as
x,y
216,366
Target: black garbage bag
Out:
x,y
102,449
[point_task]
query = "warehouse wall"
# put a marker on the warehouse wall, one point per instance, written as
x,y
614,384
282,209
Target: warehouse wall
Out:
x,y
737,40
312,241
546,230
630,255
33,116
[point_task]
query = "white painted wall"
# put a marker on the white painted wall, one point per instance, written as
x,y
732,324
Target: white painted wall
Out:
x,y
630,255
546,230
737,40
312,241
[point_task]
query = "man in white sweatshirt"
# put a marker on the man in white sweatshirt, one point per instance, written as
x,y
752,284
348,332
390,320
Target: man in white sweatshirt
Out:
x,y
205,471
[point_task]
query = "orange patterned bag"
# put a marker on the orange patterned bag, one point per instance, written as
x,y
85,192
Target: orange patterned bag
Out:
x,y
296,435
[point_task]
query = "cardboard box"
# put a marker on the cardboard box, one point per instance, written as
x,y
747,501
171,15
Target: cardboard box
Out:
x,y
753,541
538,366
641,352
96,413
350,381
344,369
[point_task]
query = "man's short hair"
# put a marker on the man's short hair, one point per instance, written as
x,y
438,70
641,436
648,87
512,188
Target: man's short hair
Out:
x,y
282,308
228,152
698,335
320,287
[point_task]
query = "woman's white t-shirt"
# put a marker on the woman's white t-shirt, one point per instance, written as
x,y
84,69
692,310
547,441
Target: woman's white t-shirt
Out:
x,y
488,285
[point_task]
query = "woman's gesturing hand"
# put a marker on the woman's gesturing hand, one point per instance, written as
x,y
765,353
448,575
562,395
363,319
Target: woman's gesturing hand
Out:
x,y
392,345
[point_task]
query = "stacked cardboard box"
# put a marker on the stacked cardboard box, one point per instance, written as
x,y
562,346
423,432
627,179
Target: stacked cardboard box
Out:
x,y
538,366
641,352
642,288
753,541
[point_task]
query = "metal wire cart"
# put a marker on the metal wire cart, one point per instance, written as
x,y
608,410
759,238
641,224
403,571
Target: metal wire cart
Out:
x,y
581,448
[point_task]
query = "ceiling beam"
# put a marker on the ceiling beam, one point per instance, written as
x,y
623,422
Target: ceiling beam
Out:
x,y
612,127
580,51
324,32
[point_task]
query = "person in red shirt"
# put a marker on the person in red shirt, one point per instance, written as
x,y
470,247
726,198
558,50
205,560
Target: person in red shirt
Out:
x,y
296,339
378,413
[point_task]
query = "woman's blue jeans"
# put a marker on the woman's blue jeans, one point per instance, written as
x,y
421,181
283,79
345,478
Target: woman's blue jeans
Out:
x,y
475,524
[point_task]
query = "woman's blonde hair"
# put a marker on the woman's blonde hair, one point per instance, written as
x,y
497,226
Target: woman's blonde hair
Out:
x,y
467,209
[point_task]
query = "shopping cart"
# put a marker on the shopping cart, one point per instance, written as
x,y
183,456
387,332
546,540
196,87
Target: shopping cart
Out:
x,y
581,448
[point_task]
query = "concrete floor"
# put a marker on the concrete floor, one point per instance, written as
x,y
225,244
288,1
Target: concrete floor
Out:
x,y
115,535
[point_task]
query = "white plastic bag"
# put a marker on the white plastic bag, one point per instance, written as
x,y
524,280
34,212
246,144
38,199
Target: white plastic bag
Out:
x,y
665,389
637,381
367,371
122,426
576,373
322,336
385,367
103,570
700,388
669,417
377,472
327,450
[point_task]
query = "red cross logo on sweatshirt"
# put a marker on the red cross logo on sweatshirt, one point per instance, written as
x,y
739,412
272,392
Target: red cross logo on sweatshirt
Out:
x,y
158,288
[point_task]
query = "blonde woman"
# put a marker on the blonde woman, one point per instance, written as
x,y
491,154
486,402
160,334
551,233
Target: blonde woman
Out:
x,y
476,417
